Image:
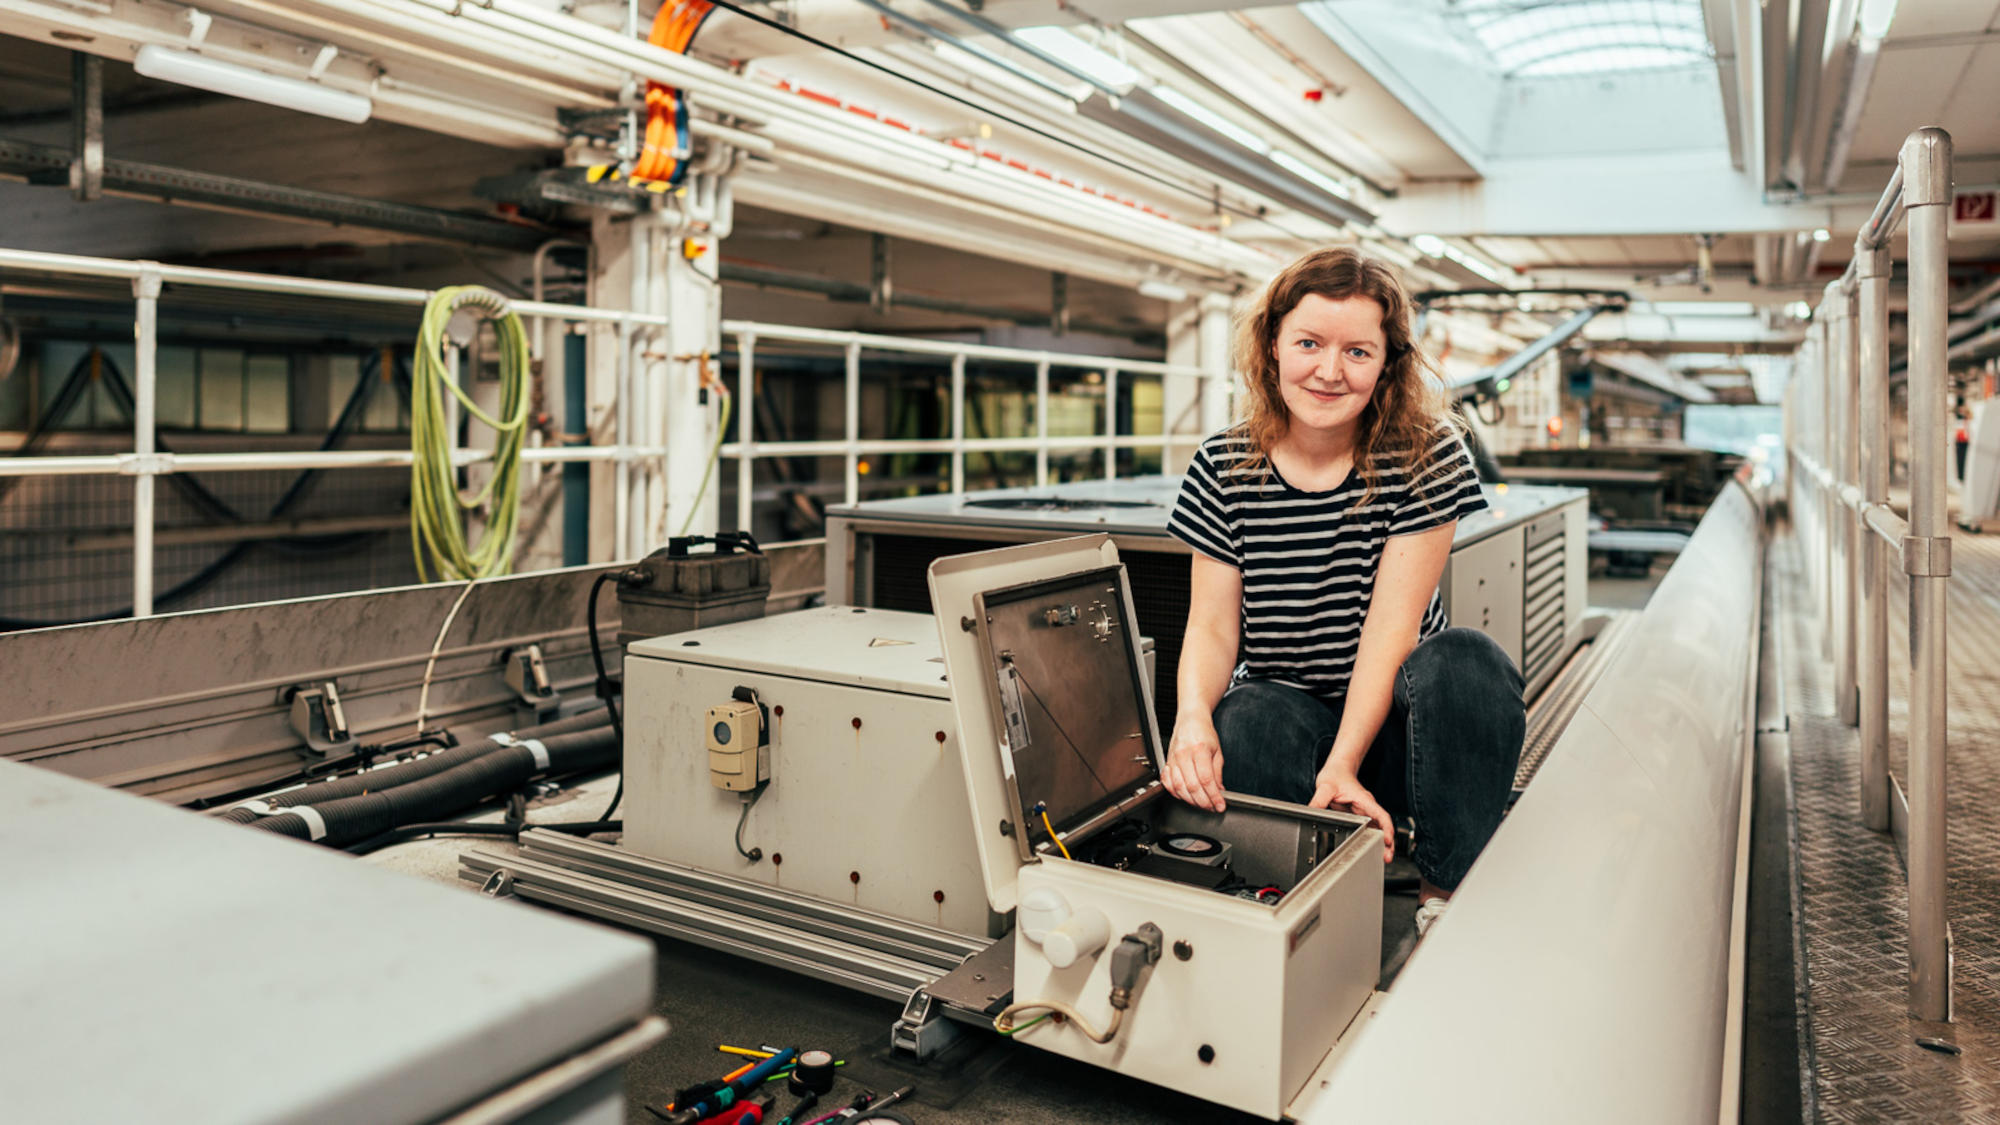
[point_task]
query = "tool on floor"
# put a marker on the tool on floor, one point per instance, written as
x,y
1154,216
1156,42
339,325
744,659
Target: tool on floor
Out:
x,y
732,1091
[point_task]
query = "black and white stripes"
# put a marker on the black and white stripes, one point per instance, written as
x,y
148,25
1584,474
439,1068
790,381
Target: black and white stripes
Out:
x,y
1309,558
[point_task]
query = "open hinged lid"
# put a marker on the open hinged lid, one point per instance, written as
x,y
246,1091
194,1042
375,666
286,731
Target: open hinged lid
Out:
x,y
1054,710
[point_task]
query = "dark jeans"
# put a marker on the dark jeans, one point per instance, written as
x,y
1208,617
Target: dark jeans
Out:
x,y
1444,758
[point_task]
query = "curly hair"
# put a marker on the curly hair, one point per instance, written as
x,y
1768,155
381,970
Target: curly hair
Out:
x,y
1404,415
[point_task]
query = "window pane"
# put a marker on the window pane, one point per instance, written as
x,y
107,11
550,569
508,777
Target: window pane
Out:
x,y
221,389
174,406
268,394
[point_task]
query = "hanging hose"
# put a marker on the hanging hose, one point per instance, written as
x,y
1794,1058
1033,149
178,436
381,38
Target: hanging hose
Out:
x,y
714,455
437,525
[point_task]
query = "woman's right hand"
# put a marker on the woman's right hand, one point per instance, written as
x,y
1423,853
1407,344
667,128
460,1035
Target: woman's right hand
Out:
x,y
1194,763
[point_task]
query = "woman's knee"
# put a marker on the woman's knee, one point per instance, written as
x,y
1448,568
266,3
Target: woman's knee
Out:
x,y
1464,662
1272,737
1258,713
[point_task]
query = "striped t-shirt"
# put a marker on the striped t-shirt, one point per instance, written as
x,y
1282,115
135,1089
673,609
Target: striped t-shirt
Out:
x,y
1309,558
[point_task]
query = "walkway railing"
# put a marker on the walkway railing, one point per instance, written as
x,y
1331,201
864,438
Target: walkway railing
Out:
x,y
1839,443
145,463
746,450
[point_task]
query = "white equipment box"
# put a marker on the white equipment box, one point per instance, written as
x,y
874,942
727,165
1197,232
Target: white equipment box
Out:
x,y
866,801
1257,932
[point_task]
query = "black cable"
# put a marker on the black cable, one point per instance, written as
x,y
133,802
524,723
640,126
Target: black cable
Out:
x,y
608,689
1074,748
474,828
1206,198
754,854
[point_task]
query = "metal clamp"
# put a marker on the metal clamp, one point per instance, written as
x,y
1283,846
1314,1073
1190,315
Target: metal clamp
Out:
x,y
923,1030
528,676
1927,556
145,464
317,717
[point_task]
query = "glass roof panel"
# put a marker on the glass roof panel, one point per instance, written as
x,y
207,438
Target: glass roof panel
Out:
x,y
1539,38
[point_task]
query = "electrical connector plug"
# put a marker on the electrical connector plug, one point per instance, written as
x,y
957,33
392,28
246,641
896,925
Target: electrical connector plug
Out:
x,y
1136,952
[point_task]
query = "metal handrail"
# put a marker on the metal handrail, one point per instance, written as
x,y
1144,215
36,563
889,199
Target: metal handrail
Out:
x,y
145,463
1840,416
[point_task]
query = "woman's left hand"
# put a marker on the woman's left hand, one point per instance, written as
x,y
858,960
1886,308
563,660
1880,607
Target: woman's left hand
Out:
x,y
1337,788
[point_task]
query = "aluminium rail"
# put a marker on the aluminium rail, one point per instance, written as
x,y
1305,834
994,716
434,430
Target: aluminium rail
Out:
x,y
145,462
1838,436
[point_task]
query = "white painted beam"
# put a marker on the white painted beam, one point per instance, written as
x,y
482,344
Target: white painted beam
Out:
x,y
1608,197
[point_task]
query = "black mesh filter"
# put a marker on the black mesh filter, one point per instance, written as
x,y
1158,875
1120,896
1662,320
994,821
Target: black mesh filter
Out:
x,y
1159,593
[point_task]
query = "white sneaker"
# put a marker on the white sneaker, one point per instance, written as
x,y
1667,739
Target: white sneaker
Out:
x,y
1429,913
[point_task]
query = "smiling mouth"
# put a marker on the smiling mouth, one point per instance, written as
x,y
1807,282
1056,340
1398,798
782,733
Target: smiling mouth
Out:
x,y
1324,396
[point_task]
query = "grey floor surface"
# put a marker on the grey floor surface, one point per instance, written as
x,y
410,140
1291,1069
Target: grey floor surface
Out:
x,y
1861,1056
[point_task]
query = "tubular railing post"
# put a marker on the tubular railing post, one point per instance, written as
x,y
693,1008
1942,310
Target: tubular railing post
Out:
x,y
1823,388
1042,423
146,296
958,424
1926,163
1844,465
853,435
746,350
621,473
1872,634
1110,423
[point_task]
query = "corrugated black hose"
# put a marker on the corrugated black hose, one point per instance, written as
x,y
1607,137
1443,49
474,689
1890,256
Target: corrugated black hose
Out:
x,y
391,777
349,820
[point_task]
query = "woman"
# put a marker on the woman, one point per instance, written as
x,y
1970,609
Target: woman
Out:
x,y
1317,666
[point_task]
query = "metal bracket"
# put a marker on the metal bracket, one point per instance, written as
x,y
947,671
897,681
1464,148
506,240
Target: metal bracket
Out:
x,y
317,717
148,464
1927,556
500,884
86,170
528,676
923,1031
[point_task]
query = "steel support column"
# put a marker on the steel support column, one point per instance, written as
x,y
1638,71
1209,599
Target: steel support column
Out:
x,y
1843,461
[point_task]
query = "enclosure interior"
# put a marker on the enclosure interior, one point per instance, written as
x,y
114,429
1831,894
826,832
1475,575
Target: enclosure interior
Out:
x,y
1081,745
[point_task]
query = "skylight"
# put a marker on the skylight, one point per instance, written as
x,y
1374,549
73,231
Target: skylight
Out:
x,y
1550,38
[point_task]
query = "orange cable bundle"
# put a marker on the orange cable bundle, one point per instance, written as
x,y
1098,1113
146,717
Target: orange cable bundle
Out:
x,y
674,28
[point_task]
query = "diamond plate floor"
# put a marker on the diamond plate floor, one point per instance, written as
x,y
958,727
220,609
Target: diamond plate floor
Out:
x,y
1861,1058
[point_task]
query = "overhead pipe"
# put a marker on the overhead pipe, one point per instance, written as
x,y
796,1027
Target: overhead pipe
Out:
x,y
163,184
1519,361
834,135
848,292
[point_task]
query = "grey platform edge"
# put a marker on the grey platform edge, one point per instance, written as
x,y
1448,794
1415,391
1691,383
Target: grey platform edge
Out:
x,y
165,967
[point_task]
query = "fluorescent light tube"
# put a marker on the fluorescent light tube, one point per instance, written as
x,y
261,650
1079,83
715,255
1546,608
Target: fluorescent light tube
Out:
x,y
1875,18
189,69
1307,172
1161,290
1069,48
1212,119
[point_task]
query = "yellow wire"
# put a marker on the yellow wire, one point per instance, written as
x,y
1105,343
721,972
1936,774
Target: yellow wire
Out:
x,y
1052,833
436,508
714,455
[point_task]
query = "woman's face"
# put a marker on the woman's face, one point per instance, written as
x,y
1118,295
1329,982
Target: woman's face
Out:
x,y
1330,354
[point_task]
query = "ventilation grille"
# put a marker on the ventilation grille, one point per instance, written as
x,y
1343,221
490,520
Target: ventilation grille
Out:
x,y
1543,607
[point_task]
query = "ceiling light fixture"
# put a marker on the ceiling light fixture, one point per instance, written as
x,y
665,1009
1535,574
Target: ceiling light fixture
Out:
x,y
1876,16
1310,174
1212,119
1161,290
1065,45
1822,235
186,68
